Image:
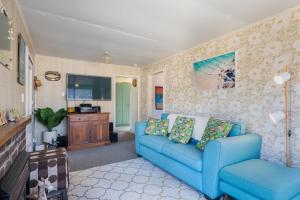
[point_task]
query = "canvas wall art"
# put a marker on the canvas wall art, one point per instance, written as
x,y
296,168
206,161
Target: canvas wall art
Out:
x,y
21,60
159,97
215,73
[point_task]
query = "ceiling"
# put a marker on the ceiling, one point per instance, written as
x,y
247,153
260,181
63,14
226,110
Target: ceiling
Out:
x,y
136,31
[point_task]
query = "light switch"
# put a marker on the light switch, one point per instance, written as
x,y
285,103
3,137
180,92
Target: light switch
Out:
x,y
22,98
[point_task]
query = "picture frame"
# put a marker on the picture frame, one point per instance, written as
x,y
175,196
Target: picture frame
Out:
x,y
159,96
3,119
21,59
215,73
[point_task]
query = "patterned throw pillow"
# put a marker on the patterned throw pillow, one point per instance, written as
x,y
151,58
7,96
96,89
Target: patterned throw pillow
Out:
x,y
182,130
151,126
157,127
215,129
162,127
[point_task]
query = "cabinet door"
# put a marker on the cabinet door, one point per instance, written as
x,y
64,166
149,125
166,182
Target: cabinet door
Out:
x,y
95,131
105,131
78,133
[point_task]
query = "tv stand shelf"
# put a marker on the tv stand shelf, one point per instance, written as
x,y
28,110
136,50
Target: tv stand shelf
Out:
x,y
87,130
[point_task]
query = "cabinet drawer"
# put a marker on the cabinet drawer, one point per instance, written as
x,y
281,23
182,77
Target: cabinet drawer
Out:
x,y
78,118
99,117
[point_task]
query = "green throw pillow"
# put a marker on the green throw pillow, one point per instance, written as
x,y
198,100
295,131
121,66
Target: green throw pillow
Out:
x,y
215,129
157,127
182,130
151,126
162,127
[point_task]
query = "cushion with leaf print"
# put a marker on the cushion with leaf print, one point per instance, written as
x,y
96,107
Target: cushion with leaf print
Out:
x,y
162,127
215,129
182,130
151,126
157,127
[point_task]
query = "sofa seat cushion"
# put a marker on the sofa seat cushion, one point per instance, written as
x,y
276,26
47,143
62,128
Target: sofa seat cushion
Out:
x,y
154,142
186,154
263,179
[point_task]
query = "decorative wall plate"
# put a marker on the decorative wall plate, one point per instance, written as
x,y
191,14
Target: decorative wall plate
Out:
x,y
134,82
52,76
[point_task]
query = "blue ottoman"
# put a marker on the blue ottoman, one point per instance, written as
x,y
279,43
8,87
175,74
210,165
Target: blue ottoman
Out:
x,y
258,179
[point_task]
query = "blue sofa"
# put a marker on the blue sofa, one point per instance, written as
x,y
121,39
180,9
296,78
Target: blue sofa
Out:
x,y
196,168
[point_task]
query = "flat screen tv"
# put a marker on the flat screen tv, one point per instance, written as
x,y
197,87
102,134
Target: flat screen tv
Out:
x,y
82,87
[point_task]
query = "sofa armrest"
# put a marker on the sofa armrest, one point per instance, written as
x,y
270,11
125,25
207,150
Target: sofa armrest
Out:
x,y
223,152
140,128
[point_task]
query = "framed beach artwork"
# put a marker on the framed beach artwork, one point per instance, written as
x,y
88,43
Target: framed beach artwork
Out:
x,y
159,98
215,73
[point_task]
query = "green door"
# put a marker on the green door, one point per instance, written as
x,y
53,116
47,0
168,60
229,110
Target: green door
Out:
x,y
122,104
119,102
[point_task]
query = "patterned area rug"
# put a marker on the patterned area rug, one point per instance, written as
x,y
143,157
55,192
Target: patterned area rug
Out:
x,y
135,179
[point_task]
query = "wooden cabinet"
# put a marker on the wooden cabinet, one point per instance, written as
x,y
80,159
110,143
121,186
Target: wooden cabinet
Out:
x,y
88,130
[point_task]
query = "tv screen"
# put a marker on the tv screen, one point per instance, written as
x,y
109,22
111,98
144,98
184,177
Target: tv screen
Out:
x,y
82,87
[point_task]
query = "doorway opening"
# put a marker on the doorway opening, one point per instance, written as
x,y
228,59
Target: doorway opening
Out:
x,y
126,113
156,92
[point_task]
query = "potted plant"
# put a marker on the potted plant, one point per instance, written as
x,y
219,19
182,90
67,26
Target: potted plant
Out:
x,y
50,119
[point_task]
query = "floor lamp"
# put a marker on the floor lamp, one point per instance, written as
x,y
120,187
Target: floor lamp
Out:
x,y
283,79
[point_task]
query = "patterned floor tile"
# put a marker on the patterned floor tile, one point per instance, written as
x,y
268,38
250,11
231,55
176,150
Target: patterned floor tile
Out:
x,y
135,179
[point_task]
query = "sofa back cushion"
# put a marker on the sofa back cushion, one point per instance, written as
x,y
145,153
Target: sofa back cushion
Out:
x,y
199,127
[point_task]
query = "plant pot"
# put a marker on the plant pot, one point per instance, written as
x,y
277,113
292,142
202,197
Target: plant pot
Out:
x,y
49,137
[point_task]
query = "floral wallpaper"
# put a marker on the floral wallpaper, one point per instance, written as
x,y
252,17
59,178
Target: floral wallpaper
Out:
x,y
263,49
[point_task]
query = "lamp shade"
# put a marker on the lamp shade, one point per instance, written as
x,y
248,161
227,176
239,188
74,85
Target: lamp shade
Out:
x,y
277,116
282,78
106,58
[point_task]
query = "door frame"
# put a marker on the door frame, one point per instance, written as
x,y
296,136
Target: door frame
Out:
x,y
29,89
114,95
29,99
150,92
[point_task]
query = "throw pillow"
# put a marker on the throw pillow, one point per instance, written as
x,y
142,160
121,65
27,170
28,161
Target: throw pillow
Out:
x,y
182,130
162,127
157,127
151,126
215,129
200,124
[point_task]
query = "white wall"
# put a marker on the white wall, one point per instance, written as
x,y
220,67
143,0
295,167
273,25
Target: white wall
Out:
x,y
51,94
10,90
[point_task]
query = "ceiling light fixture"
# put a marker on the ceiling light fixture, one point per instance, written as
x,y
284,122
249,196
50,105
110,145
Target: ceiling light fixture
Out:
x,y
106,58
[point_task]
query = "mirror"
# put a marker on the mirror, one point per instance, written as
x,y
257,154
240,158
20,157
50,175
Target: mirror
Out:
x,y
5,38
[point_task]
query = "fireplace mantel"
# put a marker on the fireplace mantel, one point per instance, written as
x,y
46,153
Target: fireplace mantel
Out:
x,y
10,129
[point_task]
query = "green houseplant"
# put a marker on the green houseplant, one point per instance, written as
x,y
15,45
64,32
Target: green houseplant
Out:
x,y
49,118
